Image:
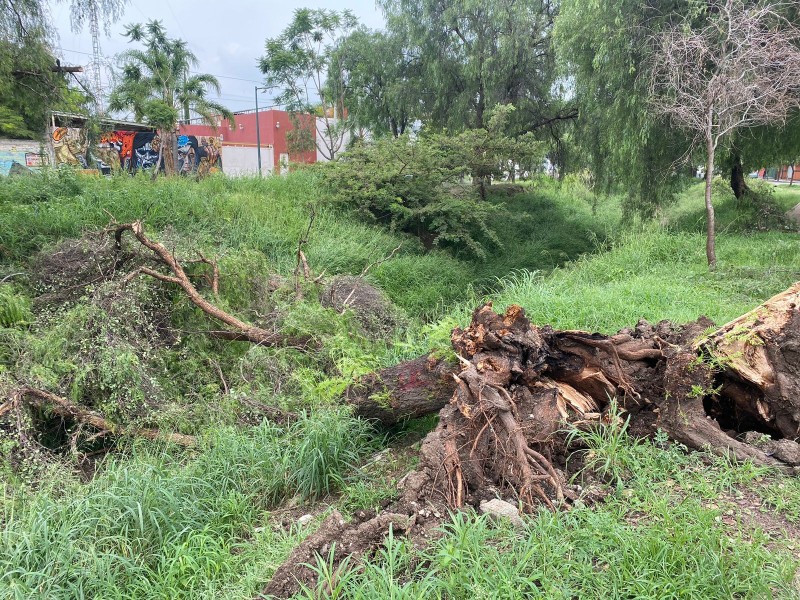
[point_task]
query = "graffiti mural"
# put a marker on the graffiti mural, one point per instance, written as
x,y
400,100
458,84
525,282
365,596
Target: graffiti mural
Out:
x,y
133,150
19,157
145,151
70,146
187,154
107,153
210,153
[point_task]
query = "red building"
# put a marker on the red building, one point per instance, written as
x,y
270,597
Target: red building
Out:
x,y
240,141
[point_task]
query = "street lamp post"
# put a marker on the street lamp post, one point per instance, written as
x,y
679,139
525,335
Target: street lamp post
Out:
x,y
258,132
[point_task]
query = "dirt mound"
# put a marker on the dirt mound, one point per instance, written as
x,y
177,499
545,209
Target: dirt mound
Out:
x,y
373,310
62,273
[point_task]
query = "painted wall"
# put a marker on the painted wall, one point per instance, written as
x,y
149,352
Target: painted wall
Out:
x,y
20,156
134,150
273,125
243,160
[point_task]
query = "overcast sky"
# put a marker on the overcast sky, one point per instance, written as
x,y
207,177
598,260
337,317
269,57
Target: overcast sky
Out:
x,y
227,36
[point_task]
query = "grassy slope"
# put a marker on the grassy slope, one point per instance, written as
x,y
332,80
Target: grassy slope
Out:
x,y
164,525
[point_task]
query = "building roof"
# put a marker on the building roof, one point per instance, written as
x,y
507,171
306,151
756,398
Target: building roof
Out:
x,y
63,119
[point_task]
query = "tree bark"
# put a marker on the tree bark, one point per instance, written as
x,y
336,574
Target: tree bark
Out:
x,y
738,183
406,391
711,253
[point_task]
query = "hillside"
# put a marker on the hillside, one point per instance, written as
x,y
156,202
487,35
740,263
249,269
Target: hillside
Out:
x,y
117,516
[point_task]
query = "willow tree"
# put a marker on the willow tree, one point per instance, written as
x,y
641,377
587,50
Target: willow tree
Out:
x,y
156,84
740,69
381,76
479,54
603,54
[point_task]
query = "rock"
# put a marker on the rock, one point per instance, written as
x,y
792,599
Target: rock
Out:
x,y
502,509
305,520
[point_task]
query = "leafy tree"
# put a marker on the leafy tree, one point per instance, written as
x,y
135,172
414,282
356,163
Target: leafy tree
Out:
x,y
299,62
31,83
417,184
739,69
156,85
478,54
382,80
603,53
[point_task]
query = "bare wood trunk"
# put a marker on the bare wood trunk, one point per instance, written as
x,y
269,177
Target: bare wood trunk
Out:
x,y
738,183
411,389
711,253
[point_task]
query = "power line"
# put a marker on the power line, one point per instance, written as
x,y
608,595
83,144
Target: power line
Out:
x,y
192,72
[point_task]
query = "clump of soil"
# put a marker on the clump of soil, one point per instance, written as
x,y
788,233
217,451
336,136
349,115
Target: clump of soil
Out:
x,y
373,310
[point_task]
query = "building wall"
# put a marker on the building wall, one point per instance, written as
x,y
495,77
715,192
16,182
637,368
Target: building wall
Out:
x,y
20,155
273,125
243,160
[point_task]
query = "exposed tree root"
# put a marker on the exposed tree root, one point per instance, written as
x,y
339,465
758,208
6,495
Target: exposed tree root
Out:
x,y
66,409
334,541
520,388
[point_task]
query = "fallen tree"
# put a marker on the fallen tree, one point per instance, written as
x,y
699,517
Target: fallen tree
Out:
x,y
61,407
521,388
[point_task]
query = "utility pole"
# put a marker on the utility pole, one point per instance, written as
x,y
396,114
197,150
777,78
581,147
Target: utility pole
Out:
x,y
258,132
186,115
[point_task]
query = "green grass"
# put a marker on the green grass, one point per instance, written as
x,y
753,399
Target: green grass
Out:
x,y
153,524
170,524
657,275
660,534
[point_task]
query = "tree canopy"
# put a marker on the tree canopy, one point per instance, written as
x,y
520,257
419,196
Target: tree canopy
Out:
x,y
156,83
299,63
381,76
476,55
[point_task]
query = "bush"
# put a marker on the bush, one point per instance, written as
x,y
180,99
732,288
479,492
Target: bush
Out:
x,y
412,185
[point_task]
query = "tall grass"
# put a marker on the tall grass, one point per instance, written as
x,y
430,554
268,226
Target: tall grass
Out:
x,y
657,275
152,524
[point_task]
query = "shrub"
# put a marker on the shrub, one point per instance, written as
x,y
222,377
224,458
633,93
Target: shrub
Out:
x,y
413,185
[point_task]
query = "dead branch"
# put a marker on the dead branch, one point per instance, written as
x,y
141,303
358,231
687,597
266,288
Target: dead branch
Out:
x,y
213,279
66,409
244,331
302,262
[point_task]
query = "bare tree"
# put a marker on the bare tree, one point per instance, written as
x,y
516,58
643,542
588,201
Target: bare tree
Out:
x,y
739,69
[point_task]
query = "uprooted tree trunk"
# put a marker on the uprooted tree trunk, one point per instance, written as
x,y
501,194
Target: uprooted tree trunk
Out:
x,y
521,385
520,388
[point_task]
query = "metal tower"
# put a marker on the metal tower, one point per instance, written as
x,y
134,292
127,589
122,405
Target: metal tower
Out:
x,y
96,82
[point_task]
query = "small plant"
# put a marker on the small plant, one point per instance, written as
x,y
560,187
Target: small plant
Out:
x,y
609,446
332,580
324,447
15,309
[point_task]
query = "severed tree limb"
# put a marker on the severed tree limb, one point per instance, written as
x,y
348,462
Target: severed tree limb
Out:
x,y
213,279
64,408
244,331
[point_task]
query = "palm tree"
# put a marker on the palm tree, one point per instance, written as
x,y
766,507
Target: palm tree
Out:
x,y
156,84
